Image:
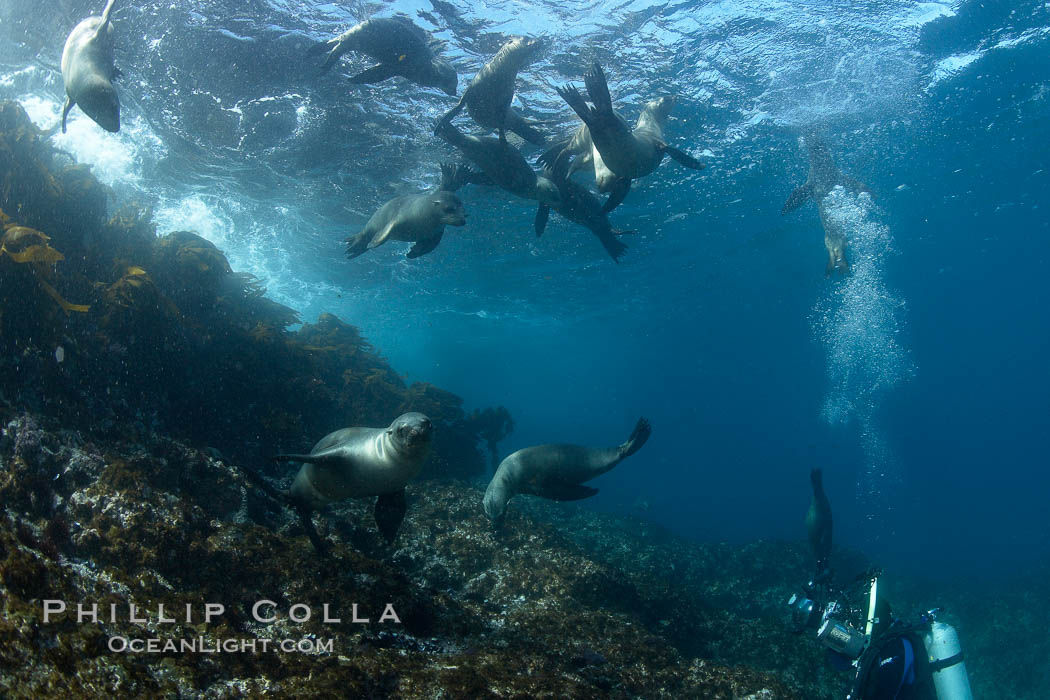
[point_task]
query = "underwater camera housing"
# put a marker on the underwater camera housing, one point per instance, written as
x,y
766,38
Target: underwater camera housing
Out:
x,y
818,608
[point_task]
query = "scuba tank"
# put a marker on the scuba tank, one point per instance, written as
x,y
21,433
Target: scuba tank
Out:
x,y
946,662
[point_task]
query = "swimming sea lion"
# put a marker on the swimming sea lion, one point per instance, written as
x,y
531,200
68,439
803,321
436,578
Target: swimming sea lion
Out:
x,y
818,522
489,94
824,176
582,147
401,47
579,205
416,218
361,463
501,164
88,71
629,153
556,472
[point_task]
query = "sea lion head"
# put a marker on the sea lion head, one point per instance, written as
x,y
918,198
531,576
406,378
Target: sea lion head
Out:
x,y
495,503
660,108
547,192
99,101
450,209
445,77
411,433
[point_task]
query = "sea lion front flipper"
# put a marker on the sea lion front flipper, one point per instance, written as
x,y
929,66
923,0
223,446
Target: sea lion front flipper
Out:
x,y
683,158
105,18
542,214
797,198
375,74
456,110
617,194
389,512
424,246
557,490
65,112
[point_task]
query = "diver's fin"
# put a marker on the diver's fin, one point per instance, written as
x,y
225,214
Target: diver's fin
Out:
x,y
639,435
557,490
65,112
543,212
598,89
380,238
424,246
797,198
389,512
357,245
376,74
617,194
683,157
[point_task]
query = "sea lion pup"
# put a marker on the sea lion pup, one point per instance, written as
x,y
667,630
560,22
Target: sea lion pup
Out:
x,y
556,472
416,218
824,176
401,47
489,94
501,164
579,205
629,153
88,71
362,463
818,523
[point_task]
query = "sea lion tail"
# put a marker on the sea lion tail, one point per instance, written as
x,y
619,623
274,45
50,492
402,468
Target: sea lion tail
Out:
x,y
641,433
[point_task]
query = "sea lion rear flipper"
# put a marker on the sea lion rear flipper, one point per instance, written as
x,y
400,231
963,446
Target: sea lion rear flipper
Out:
x,y
557,490
617,194
549,157
543,212
579,105
683,157
357,245
424,246
528,132
389,512
598,89
797,198
642,430
612,246
65,112
376,74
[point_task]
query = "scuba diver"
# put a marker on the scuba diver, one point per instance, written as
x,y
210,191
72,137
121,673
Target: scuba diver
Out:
x,y
892,659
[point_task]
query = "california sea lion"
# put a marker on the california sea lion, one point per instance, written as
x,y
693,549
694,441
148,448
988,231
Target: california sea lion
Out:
x,y
629,153
824,176
818,522
501,164
361,463
582,147
556,472
416,218
401,47
489,94
579,205
88,71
